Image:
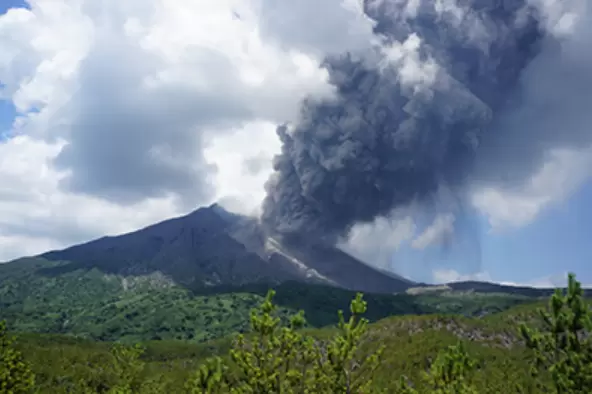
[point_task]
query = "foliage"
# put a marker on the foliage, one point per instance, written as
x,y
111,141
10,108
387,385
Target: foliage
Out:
x,y
420,354
110,308
127,368
564,346
15,375
452,371
63,364
284,360
107,307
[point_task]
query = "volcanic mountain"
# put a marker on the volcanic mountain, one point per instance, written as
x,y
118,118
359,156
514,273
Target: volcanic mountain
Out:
x,y
212,247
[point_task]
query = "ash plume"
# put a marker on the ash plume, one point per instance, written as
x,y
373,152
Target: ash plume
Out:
x,y
406,121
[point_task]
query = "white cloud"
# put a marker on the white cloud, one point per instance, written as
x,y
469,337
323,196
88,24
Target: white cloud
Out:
x,y
131,112
449,275
345,26
377,242
35,215
239,183
439,232
559,177
134,111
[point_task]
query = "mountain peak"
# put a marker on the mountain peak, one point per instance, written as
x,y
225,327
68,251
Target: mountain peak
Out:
x,y
223,213
212,246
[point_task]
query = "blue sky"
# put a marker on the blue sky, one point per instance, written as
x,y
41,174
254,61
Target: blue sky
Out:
x,y
7,113
6,4
557,241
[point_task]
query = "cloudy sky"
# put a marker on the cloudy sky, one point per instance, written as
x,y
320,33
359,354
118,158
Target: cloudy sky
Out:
x,y
114,115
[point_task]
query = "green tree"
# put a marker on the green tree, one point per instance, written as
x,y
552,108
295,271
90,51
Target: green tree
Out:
x,y
15,375
451,373
123,373
563,345
128,369
282,359
211,378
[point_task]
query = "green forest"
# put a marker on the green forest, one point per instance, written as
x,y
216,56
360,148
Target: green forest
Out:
x,y
92,305
540,347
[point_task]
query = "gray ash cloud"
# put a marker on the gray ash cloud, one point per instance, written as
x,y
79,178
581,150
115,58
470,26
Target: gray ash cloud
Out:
x,y
389,139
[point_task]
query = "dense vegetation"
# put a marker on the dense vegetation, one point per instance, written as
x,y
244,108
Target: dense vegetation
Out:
x,y
552,352
91,304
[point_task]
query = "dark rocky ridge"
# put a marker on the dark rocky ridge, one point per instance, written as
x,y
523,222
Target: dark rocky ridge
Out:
x,y
211,246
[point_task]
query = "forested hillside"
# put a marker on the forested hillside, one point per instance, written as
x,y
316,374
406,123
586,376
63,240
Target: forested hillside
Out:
x,y
493,354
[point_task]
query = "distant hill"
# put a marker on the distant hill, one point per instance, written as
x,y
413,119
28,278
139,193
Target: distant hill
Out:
x,y
485,287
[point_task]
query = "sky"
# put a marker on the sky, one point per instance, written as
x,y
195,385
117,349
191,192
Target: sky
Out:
x,y
115,115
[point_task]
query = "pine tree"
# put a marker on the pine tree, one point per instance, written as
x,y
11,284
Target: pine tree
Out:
x,y
125,374
127,366
15,375
564,346
450,373
278,359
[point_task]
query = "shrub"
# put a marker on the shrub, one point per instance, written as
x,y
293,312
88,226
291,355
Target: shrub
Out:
x,y
563,345
15,375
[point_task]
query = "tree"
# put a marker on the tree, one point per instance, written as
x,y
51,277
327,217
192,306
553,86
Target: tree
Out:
x,y
15,375
128,368
450,373
563,346
284,360
123,373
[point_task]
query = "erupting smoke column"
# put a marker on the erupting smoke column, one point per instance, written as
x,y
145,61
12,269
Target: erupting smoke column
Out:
x,y
403,126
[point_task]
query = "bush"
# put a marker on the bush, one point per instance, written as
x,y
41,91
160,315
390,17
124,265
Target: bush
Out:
x,y
278,359
282,359
563,345
279,356
15,375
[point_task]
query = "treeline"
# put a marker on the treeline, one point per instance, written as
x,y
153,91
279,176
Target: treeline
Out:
x,y
283,358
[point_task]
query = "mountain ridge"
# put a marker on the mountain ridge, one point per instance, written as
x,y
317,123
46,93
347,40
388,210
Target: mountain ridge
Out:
x,y
196,278
211,246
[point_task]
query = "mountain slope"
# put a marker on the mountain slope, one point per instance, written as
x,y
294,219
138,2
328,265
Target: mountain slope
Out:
x,y
191,250
210,247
